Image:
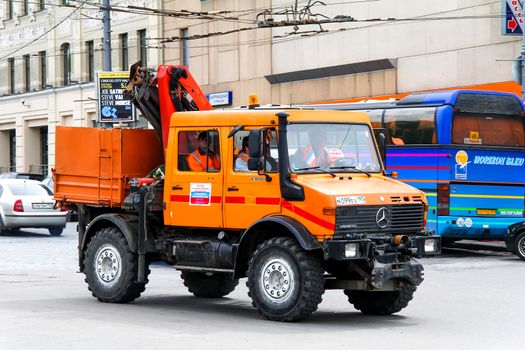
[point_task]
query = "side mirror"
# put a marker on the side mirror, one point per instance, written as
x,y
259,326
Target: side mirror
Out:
x,y
254,163
255,144
380,135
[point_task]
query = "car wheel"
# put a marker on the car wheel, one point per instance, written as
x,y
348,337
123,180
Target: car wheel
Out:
x,y
519,246
111,268
56,231
285,282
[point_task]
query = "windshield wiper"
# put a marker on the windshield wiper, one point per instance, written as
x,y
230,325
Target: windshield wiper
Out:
x,y
316,168
353,167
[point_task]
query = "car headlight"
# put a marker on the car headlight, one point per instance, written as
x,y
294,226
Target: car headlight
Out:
x,y
431,245
351,250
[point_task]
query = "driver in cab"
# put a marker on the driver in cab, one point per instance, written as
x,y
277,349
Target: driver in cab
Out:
x,y
316,154
197,159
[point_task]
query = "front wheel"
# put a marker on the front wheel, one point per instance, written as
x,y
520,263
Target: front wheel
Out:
x,y
519,246
285,282
111,268
381,303
206,285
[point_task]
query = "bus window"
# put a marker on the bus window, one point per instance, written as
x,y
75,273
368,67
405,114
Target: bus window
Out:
x,y
488,129
409,126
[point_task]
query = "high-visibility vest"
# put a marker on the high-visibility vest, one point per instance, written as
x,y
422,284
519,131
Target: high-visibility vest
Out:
x,y
197,161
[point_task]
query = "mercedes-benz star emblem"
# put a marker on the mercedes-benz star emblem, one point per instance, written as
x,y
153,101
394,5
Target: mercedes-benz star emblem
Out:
x,y
383,217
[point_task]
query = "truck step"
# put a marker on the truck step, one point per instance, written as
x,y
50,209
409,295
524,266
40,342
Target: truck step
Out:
x,y
201,269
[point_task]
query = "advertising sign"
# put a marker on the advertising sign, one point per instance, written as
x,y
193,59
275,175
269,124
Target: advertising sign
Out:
x,y
512,17
113,105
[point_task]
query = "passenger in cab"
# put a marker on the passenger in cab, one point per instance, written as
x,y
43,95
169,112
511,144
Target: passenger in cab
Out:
x,y
197,159
241,162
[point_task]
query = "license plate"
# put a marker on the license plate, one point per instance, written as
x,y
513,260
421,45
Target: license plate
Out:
x,y
42,205
486,211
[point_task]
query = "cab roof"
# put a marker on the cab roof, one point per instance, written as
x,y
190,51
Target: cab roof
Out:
x,y
263,117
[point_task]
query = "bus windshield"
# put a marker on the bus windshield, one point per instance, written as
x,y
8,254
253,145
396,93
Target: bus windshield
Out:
x,y
333,147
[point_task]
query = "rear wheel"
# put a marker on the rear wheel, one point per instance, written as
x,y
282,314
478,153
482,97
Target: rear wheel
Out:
x,y
111,268
208,285
381,303
56,231
285,282
519,246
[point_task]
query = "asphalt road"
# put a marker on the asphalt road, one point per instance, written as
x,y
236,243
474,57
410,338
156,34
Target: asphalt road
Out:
x,y
470,299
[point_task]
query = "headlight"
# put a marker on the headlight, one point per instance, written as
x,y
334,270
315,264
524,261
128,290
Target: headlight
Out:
x,y
351,250
431,245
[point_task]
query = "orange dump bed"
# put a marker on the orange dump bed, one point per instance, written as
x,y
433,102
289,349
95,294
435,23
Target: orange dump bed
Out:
x,y
93,166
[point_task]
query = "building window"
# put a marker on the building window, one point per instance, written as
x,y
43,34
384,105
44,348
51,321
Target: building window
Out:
x,y
65,51
12,150
9,14
184,49
124,51
65,2
41,5
11,68
90,52
25,7
27,73
143,50
43,69
43,150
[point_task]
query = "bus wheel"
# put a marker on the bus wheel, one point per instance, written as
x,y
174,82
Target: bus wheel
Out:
x,y
381,303
284,281
519,246
111,268
203,285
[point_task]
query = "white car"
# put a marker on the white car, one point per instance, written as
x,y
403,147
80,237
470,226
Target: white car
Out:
x,y
29,203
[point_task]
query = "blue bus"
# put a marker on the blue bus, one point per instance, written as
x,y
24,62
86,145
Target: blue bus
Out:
x,y
465,149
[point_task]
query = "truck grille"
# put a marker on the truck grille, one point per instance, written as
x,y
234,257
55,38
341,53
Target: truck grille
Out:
x,y
380,219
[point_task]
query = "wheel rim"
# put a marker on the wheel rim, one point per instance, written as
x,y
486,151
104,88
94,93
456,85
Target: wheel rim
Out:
x,y
521,247
277,280
108,264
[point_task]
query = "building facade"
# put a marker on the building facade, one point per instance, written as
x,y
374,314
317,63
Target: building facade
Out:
x,y
50,53
393,47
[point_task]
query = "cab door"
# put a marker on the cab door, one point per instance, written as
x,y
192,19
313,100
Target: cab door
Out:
x,y
248,197
195,197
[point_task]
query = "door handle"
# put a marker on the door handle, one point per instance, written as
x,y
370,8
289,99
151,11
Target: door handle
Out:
x,y
176,187
233,188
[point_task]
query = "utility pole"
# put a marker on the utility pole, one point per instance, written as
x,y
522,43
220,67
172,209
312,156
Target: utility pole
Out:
x,y
107,36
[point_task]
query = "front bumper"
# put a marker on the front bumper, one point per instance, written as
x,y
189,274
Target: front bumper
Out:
x,y
415,246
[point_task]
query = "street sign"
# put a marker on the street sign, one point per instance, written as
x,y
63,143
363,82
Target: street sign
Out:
x,y
113,105
220,98
513,18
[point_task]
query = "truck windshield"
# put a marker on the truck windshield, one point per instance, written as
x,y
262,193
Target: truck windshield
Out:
x,y
333,147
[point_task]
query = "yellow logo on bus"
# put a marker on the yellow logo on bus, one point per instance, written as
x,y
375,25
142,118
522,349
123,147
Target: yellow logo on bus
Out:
x,y
462,158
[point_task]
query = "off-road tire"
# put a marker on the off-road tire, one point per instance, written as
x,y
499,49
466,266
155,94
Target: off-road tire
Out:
x,y
205,285
101,253
295,276
381,303
518,247
56,231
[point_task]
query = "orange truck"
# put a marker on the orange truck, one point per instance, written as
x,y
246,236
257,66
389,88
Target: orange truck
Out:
x,y
295,200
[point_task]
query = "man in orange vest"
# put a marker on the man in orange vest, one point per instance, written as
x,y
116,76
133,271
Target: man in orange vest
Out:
x,y
241,162
316,154
197,159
